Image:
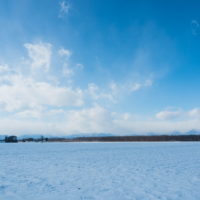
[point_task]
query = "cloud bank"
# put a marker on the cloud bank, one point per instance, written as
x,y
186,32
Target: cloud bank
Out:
x,y
36,100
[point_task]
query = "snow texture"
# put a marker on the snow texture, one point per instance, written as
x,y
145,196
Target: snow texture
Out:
x,y
100,171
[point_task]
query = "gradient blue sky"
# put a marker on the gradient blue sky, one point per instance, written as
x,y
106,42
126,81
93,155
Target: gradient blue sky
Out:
x,y
93,66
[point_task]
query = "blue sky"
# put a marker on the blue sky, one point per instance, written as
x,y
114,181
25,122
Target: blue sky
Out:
x,y
93,66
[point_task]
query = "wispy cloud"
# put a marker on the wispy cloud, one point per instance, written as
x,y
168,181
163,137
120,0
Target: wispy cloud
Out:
x,y
169,114
115,91
21,91
178,114
64,8
95,119
4,68
79,110
65,53
39,54
194,113
139,85
195,27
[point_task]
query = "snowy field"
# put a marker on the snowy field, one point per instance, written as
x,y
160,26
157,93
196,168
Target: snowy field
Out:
x,y
100,171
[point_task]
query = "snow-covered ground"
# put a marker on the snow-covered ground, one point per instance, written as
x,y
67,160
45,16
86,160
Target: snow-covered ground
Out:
x,y
100,171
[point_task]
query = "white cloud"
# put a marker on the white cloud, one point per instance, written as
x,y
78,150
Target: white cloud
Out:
x,y
169,114
96,119
65,52
115,91
157,126
4,68
26,93
148,83
30,113
194,113
140,85
46,105
135,87
97,93
178,114
64,8
92,120
195,27
21,127
113,86
93,90
54,112
39,113
21,92
39,54
67,71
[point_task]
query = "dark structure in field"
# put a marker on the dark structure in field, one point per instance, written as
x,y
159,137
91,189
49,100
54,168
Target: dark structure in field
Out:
x,y
40,139
11,139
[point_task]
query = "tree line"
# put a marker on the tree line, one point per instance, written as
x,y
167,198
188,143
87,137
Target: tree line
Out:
x,y
153,138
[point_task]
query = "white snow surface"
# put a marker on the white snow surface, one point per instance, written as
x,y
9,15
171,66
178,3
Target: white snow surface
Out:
x,y
100,171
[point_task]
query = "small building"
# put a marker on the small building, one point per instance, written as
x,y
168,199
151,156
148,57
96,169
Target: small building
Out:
x,y
11,139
